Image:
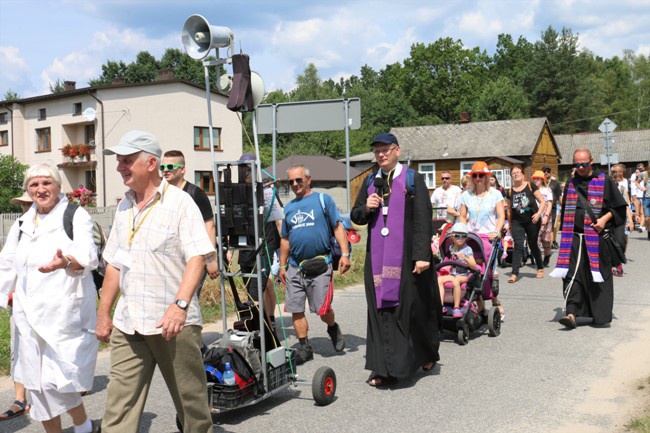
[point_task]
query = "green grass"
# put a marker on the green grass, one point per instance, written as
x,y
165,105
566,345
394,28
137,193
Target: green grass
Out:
x,y
642,423
210,301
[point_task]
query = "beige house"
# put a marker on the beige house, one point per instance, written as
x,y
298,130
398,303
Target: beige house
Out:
x,y
35,130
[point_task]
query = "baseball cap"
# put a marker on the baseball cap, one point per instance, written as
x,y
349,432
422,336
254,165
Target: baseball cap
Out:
x,y
247,157
136,141
546,167
25,198
460,228
385,138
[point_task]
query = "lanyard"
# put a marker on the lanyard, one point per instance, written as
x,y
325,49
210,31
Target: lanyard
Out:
x,y
134,228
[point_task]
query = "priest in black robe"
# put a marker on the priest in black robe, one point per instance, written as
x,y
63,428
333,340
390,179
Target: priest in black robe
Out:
x,y
591,203
404,310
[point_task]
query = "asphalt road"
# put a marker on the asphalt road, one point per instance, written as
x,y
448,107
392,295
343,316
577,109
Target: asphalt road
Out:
x,y
534,377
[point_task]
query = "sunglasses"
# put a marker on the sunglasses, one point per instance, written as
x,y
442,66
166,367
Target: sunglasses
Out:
x,y
169,167
478,175
297,181
445,178
460,235
546,171
581,164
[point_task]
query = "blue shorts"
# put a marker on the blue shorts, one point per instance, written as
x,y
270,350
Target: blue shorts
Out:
x,y
646,206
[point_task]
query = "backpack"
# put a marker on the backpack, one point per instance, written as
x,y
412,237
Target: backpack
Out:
x,y
335,248
99,238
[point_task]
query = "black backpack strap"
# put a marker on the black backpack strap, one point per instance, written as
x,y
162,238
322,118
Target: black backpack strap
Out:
x,y
68,216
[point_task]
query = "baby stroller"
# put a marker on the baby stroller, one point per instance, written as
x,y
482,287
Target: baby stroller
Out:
x,y
476,290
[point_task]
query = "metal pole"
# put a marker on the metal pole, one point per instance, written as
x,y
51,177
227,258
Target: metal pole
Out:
x,y
274,116
607,148
346,105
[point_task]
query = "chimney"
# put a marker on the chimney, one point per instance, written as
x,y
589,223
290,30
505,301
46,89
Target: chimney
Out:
x,y
465,117
69,85
165,74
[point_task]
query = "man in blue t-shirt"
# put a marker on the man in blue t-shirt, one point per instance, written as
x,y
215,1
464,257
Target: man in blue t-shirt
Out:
x,y
305,258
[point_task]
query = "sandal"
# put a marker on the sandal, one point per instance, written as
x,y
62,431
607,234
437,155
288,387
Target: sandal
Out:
x,y
569,321
513,278
428,366
23,408
540,274
377,381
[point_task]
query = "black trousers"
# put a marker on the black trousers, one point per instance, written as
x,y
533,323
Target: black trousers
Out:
x,y
519,233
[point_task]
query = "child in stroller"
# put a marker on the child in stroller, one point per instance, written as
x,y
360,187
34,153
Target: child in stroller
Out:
x,y
461,253
474,291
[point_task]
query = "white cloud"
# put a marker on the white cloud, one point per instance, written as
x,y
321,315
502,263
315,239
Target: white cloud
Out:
x,y
479,24
14,72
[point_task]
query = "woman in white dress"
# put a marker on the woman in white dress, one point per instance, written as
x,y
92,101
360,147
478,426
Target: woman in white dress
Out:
x,y
53,303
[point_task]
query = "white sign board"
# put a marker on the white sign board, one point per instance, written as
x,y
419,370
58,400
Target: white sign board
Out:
x,y
613,159
308,116
607,126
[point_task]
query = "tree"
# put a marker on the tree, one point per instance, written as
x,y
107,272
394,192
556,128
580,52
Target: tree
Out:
x,y
111,70
12,173
11,96
57,87
143,70
501,99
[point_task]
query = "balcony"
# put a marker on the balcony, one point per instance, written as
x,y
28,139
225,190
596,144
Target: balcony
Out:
x,y
77,156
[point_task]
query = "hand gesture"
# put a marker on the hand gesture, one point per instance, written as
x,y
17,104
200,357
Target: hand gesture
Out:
x,y
58,262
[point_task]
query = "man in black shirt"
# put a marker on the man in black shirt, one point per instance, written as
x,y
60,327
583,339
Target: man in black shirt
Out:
x,y
173,169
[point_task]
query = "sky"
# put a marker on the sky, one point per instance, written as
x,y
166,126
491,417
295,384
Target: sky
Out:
x,y
42,41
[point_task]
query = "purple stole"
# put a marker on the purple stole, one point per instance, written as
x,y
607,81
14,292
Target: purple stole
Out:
x,y
595,200
387,251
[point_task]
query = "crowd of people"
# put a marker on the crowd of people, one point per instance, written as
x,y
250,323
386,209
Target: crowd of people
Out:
x,y
157,261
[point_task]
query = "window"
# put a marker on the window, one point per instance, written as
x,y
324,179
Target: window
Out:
x,y
429,173
4,138
203,179
89,134
202,138
503,176
91,178
43,138
76,109
42,114
3,118
465,167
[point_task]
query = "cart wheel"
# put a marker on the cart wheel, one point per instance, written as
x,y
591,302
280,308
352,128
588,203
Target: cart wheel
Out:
x,y
494,322
178,424
323,386
463,334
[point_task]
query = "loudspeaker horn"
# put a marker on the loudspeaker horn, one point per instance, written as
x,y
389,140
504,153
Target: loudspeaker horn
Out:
x,y
199,37
257,88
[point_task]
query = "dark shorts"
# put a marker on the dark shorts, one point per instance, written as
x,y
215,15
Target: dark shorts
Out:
x,y
317,290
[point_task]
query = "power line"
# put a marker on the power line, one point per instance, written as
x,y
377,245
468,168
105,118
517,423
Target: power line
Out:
x,y
602,115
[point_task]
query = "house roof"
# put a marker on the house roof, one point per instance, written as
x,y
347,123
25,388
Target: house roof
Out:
x,y
86,90
499,138
632,146
322,168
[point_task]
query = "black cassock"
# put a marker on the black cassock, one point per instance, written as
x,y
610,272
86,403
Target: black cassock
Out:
x,y
401,339
584,297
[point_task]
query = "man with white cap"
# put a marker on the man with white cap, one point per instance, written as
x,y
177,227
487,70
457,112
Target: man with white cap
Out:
x,y
155,258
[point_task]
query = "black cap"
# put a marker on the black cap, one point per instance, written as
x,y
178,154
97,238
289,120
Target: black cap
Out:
x,y
385,138
546,167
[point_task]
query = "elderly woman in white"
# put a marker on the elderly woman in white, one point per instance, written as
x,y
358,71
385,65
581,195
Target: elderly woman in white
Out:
x,y
53,304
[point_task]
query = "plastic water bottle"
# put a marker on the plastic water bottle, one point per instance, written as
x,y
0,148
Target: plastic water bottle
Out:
x,y
228,375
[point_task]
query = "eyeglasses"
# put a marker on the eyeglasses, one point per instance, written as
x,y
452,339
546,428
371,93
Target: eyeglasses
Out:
x,y
169,167
478,175
581,164
445,178
383,151
546,170
460,235
298,181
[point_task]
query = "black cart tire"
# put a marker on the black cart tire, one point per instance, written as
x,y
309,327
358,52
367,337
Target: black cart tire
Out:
x,y
323,386
494,322
463,334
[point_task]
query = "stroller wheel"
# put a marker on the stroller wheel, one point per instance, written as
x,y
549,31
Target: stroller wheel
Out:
x,y
463,334
494,322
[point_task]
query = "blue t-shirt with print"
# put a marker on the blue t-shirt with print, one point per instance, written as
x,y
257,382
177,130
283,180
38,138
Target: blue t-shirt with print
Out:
x,y
306,226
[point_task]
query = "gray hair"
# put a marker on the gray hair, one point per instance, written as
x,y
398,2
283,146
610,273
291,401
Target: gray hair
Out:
x,y
304,169
42,170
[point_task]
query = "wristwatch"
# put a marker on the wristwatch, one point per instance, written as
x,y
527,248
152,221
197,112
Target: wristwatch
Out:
x,y
182,304
67,265
345,255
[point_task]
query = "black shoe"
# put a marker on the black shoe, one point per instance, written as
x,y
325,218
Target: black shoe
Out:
x,y
337,337
97,426
304,354
547,259
568,322
555,246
